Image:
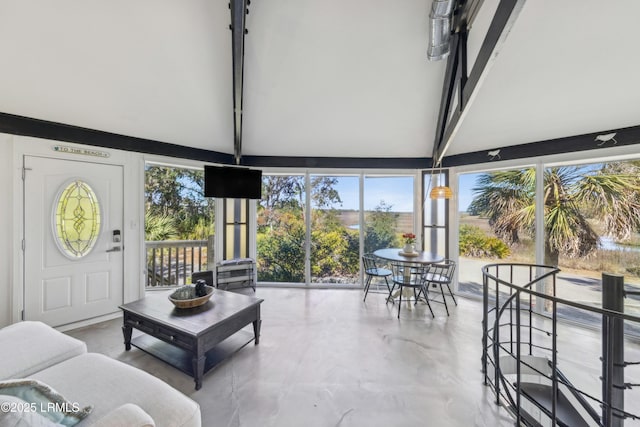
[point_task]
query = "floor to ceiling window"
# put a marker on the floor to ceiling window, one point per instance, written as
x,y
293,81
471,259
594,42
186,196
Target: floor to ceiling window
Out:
x,y
388,210
336,217
592,214
281,231
591,217
496,214
335,245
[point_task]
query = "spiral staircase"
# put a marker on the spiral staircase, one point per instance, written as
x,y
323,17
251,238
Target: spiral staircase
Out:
x,y
539,368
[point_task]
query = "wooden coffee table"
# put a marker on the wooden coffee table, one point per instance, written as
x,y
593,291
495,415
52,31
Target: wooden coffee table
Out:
x,y
193,340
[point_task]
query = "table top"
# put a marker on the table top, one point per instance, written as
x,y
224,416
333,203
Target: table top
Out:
x,y
422,257
222,306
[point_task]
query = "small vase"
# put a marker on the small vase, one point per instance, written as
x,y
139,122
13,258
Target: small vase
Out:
x,y
409,248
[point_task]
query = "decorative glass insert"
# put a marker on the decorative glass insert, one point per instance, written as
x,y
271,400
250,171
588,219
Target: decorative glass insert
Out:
x,y
77,219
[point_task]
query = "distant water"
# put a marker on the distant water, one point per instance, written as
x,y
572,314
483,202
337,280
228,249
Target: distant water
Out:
x,y
608,244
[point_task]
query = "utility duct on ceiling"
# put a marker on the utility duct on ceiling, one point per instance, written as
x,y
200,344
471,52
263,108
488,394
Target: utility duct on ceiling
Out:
x,y
440,19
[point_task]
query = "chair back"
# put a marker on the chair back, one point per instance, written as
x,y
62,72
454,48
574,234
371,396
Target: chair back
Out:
x,y
441,272
207,276
369,261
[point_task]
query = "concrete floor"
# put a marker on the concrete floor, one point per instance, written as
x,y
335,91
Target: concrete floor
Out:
x,y
325,358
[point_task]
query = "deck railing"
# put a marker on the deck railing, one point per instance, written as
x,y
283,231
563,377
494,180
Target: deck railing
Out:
x,y
171,262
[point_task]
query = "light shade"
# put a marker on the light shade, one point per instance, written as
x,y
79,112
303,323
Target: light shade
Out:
x,y
441,192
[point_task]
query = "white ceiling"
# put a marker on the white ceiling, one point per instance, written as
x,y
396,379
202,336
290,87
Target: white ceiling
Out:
x,y
569,67
337,78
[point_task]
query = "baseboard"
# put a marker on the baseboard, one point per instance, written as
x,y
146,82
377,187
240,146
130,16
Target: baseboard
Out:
x,y
89,322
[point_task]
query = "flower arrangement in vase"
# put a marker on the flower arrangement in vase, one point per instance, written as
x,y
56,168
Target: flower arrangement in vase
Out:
x,y
409,243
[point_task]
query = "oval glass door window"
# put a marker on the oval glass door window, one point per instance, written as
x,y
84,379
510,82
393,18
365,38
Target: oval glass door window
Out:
x,y
77,219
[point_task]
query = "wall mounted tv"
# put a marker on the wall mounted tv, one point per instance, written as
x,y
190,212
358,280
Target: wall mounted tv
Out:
x,y
231,182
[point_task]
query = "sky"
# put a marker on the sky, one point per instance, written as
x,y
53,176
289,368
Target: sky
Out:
x,y
395,191
466,183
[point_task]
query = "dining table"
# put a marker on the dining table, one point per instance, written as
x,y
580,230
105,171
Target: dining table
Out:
x,y
415,258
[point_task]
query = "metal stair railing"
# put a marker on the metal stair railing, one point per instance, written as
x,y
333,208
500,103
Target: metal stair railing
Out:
x,y
520,357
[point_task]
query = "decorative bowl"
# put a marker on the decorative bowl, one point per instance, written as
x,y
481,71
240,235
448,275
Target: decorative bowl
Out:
x,y
185,297
408,254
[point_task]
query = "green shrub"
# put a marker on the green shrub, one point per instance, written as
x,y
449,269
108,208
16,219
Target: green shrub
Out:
x,y
475,243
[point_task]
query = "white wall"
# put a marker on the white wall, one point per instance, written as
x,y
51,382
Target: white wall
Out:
x,y
6,224
12,150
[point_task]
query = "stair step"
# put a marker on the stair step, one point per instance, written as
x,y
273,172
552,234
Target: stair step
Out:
x,y
526,418
542,395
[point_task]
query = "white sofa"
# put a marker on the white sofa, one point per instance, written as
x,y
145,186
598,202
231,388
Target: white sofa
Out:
x,y
121,395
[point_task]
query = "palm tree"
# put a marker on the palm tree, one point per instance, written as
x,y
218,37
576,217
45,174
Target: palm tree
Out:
x,y
610,192
159,227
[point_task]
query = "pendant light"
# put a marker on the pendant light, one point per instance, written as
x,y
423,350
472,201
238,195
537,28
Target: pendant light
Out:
x,y
439,191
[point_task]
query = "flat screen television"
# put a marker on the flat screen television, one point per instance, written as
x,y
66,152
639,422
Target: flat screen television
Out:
x,y
232,182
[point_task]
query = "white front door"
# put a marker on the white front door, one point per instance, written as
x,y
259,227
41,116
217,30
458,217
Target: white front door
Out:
x,y
73,255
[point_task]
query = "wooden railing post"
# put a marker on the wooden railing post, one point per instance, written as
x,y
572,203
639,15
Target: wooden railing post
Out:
x,y
171,262
211,259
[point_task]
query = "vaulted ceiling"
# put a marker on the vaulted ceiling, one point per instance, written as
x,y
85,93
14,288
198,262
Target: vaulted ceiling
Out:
x,y
331,78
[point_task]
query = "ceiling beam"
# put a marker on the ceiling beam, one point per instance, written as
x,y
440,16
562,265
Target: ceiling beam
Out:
x,y
465,14
571,144
406,163
54,131
239,11
449,86
27,126
502,22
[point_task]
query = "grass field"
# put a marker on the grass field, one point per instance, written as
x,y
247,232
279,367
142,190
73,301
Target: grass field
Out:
x,y
618,261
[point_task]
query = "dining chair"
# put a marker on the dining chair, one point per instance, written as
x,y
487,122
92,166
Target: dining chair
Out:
x,y
406,275
440,274
371,270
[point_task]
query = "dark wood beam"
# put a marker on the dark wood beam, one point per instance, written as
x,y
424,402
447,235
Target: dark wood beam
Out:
x,y
588,141
502,22
337,162
239,10
53,131
26,126
448,86
464,14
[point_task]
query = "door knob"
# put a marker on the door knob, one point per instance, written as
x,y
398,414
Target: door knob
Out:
x,y
114,249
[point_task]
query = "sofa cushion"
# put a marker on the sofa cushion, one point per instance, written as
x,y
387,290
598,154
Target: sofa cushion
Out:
x,y
94,379
128,415
15,412
46,401
28,347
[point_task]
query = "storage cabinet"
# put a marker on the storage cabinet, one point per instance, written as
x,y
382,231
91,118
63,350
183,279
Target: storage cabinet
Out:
x,y
236,273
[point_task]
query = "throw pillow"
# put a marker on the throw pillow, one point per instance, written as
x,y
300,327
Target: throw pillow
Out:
x,y
45,401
